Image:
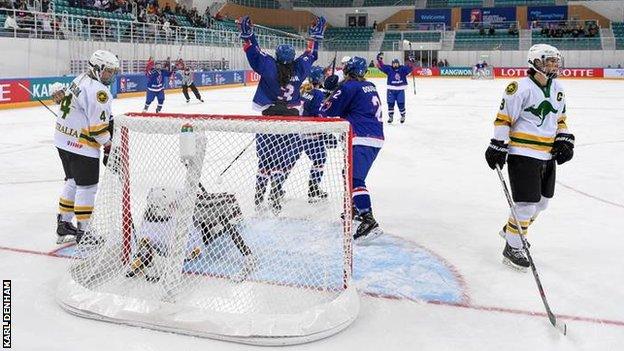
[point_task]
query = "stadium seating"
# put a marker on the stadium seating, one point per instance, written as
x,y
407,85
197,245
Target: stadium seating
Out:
x,y
568,43
323,3
524,2
393,37
265,4
348,38
472,40
618,32
454,3
372,3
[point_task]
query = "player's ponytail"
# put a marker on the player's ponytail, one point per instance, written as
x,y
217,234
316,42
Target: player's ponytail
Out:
x,y
285,71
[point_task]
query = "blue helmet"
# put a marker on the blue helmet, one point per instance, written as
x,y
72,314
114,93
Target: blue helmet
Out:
x,y
356,66
316,74
285,53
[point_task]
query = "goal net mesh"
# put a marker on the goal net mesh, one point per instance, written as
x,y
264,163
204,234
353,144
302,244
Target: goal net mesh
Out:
x,y
181,241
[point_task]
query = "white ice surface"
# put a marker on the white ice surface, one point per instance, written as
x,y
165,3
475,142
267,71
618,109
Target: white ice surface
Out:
x,y
430,185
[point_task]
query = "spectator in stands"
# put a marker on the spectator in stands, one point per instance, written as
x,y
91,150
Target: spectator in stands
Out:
x,y
374,27
10,23
481,30
167,10
167,29
491,31
513,29
102,5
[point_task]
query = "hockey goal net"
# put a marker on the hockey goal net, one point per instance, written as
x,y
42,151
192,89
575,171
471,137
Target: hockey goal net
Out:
x,y
179,240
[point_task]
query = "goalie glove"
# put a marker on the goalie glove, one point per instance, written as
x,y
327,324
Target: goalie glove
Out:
x,y
496,154
563,148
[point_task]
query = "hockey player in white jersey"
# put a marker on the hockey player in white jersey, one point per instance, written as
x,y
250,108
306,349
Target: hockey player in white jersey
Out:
x,y
83,125
531,127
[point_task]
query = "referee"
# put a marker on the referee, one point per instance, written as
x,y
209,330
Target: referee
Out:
x,y
187,82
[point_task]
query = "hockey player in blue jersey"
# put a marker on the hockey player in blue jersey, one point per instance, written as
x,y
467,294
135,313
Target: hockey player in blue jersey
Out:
x,y
357,101
278,95
397,83
156,78
313,145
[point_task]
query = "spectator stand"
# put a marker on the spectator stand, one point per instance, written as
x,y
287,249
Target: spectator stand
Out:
x,y
427,34
486,36
567,35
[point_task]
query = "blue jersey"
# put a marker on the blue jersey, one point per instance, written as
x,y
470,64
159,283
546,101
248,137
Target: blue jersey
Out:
x,y
397,78
312,102
359,103
156,79
269,91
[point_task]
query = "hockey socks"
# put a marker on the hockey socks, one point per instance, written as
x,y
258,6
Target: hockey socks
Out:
x,y
66,201
261,184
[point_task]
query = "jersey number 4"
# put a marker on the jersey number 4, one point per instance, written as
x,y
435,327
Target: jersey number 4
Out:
x,y
65,105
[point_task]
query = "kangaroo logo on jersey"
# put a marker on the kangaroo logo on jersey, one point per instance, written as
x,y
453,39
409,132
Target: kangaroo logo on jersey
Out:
x,y
102,97
511,88
541,111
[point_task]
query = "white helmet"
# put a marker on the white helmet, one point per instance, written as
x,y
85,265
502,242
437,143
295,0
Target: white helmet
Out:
x,y
537,56
161,203
345,59
103,60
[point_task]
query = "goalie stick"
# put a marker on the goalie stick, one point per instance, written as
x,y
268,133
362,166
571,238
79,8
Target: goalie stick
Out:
x,y
551,316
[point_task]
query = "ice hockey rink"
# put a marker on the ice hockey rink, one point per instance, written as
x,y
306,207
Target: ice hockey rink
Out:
x,y
434,282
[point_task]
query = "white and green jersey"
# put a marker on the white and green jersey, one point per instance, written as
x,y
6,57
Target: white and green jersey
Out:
x,y
530,116
83,117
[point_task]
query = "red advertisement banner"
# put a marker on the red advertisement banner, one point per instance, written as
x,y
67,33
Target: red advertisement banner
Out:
x,y
251,77
426,71
10,91
514,72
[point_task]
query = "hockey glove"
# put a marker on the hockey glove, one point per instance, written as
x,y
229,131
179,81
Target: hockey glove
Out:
x,y
380,56
563,148
331,83
317,30
246,27
107,149
496,153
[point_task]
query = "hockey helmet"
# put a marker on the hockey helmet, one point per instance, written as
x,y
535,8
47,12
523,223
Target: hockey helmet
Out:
x,y
396,63
316,74
160,203
285,53
345,59
356,67
545,59
103,66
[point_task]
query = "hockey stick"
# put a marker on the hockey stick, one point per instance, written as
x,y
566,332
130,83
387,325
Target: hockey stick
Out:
x,y
36,98
334,63
413,77
220,177
551,316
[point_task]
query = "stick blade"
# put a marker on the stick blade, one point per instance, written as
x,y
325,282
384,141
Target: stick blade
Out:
x,y
562,327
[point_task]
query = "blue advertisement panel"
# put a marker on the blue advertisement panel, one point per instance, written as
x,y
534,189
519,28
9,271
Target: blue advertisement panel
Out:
x,y
547,13
488,14
129,83
456,71
41,86
433,16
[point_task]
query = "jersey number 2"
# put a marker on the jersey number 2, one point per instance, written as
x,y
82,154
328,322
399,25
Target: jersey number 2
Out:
x,y
375,101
